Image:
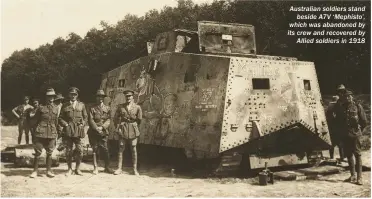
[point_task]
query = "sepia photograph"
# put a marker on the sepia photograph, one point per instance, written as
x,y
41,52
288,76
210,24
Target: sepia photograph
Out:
x,y
185,98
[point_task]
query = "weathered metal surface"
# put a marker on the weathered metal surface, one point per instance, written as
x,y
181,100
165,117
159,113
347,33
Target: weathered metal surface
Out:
x,y
276,161
278,101
209,104
226,38
181,99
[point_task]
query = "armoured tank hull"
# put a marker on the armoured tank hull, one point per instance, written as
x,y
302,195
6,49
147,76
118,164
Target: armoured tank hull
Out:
x,y
223,105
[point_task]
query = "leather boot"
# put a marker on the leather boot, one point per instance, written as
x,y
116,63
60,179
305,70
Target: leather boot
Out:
x,y
331,152
107,163
19,138
69,163
50,174
341,151
77,168
27,138
352,177
95,170
359,165
34,173
120,164
134,160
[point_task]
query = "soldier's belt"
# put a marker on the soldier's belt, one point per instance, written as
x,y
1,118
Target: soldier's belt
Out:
x,y
129,121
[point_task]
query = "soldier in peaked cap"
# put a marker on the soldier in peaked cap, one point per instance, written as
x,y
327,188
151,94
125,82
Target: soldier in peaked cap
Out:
x,y
46,132
73,118
127,119
99,122
20,112
351,120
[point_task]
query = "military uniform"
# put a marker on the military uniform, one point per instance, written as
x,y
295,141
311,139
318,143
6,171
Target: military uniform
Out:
x,y
127,119
32,120
59,105
73,118
99,122
334,131
45,134
351,120
21,112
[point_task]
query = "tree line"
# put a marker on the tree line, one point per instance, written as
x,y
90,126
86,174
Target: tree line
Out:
x,y
80,62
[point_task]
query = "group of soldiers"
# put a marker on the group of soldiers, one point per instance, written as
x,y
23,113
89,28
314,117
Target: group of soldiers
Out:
x,y
346,120
66,121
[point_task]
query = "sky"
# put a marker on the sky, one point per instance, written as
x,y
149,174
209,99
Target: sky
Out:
x,y
31,23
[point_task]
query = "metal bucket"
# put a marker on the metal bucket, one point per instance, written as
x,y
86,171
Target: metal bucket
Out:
x,y
262,178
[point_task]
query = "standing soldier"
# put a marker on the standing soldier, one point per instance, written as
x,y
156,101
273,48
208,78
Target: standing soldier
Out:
x,y
31,119
127,118
99,121
45,133
19,112
351,120
73,118
340,92
58,103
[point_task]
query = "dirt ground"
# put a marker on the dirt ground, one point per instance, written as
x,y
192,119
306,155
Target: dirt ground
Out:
x,y
159,182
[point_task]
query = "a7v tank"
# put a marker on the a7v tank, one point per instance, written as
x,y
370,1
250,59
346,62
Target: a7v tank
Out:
x,y
209,93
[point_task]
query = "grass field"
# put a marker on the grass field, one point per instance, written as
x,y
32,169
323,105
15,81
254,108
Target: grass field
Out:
x,y
158,182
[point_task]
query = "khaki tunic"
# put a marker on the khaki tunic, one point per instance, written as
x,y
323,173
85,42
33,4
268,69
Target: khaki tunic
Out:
x,y
127,120
47,122
99,117
73,119
22,110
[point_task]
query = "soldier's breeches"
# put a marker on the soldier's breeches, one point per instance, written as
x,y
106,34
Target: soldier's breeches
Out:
x,y
352,146
70,141
97,142
123,142
44,143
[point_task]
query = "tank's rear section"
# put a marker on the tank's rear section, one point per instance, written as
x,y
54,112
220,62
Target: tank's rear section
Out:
x,y
273,108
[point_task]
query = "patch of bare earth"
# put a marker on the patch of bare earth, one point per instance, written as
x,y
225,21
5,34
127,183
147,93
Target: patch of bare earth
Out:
x,y
158,182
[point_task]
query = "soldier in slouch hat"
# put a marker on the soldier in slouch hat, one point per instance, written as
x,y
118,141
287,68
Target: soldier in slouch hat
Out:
x,y
351,119
45,132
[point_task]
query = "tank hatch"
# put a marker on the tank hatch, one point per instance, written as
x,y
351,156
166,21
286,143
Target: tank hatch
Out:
x,y
225,38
